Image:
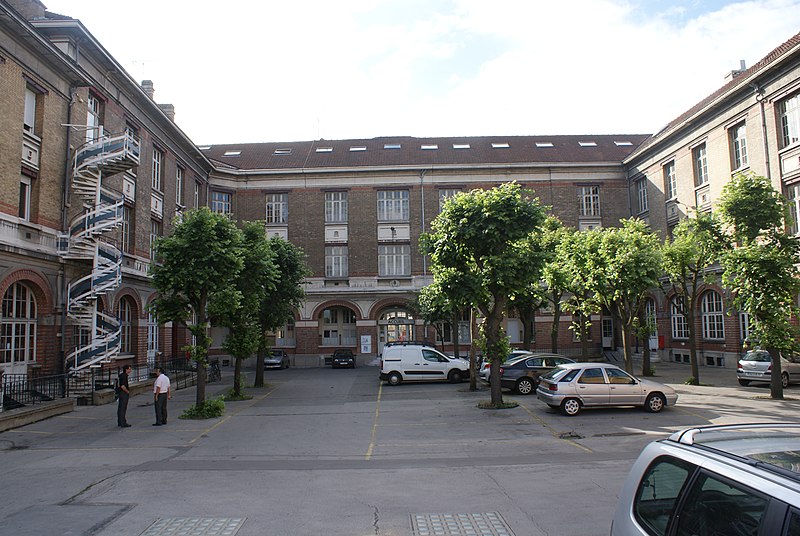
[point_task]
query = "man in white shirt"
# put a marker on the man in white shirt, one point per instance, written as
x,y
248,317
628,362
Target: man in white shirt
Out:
x,y
161,393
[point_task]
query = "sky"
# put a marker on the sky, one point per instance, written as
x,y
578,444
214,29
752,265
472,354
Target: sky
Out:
x,y
268,70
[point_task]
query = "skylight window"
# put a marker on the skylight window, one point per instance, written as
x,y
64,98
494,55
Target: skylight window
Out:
x,y
324,149
429,147
392,146
461,146
282,151
232,153
500,146
205,147
357,148
623,143
543,144
587,144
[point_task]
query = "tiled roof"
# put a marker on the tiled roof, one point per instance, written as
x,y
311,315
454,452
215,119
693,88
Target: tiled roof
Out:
x,y
740,80
404,151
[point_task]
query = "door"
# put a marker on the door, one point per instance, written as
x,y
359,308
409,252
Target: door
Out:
x,y
433,365
624,389
592,387
608,334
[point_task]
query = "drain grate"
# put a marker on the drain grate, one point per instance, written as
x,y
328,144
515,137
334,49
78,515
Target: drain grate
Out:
x,y
195,526
476,524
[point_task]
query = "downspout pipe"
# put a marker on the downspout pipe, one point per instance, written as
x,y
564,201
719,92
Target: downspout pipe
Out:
x,y
759,92
65,228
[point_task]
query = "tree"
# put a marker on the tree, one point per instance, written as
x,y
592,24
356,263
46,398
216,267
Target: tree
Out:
x,y
481,253
277,305
688,256
194,274
555,276
255,282
760,269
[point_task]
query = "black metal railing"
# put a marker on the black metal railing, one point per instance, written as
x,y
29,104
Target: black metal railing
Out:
x,y
22,390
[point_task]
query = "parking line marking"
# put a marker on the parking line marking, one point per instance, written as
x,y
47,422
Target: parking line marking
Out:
x,y
552,431
371,447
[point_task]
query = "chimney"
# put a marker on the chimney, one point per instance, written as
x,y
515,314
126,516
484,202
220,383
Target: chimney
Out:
x,y
733,74
169,111
147,87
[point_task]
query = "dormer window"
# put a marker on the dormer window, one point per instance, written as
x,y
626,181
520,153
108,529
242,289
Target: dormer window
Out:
x,y
282,151
232,153
500,146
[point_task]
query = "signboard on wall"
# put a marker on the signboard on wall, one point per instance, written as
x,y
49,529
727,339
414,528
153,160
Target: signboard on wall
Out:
x,y
366,344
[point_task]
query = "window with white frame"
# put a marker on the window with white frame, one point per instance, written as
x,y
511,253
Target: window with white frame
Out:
x,y
793,195
18,321
738,137
155,233
744,327
220,202
94,121
589,197
445,194
680,328
126,326
394,260
24,211
29,116
335,207
670,180
196,194
152,337
157,169
641,194
336,261
179,185
713,316
393,205
789,111
700,165
277,208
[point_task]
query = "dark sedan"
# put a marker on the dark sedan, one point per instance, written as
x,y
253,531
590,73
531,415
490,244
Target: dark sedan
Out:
x,y
343,357
522,374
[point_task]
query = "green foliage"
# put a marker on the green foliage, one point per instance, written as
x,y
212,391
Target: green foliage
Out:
x,y
691,380
208,409
752,208
237,392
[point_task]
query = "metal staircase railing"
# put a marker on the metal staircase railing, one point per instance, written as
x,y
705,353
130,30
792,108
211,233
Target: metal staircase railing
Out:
x,y
102,213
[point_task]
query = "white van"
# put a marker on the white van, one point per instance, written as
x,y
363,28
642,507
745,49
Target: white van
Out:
x,y
406,362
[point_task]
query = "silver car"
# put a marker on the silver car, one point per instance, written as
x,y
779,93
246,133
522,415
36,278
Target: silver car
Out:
x,y
756,366
573,386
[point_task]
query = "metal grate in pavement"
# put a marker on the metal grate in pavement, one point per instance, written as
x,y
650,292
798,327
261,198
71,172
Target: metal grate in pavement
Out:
x,y
195,526
475,524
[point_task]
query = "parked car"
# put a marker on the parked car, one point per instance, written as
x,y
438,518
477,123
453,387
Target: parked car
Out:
x,y
522,374
756,366
408,362
486,367
277,359
343,357
573,386
739,480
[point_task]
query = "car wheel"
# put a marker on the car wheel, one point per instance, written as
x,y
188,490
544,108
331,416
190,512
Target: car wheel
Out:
x,y
744,383
525,386
570,407
784,380
455,376
394,378
655,402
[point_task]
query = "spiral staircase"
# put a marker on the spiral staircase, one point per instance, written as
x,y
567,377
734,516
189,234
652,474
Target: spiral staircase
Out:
x,y
102,213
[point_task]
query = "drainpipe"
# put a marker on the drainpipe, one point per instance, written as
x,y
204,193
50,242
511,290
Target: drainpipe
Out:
x,y
422,194
65,228
760,98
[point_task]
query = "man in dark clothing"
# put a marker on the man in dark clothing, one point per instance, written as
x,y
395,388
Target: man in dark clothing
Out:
x,y
124,393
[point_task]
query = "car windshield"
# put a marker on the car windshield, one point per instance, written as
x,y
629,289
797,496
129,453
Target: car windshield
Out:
x,y
760,357
554,374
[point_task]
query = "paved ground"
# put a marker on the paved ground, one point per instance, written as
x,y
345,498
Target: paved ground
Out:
x,y
335,452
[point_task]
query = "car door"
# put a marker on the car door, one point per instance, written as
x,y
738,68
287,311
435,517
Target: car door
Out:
x,y
433,365
592,387
535,367
624,389
791,364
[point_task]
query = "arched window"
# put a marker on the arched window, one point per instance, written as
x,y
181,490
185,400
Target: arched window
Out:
x,y
337,326
713,316
126,326
680,328
18,334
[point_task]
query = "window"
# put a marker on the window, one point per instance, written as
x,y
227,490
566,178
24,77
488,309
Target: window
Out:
x,y
700,165
680,328
789,111
713,316
738,136
641,194
155,233
179,185
393,205
18,321
445,194
158,159
793,195
592,375
335,207
394,260
221,202
589,197
196,194
29,117
126,230
94,125
126,326
744,327
336,261
658,493
670,180
338,327
278,208
152,339
24,212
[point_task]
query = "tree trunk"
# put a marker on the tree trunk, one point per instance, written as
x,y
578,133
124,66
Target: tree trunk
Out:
x,y
200,397
454,334
646,368
473,359
584,338
554,328
527,328
690,319
493,333
775,385
626,347
237,373
260,367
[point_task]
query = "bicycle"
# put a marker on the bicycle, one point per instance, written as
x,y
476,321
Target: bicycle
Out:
x,y
214,374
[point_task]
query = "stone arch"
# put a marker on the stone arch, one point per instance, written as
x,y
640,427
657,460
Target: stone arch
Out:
x,y
336,303
127,292
38,285
387,303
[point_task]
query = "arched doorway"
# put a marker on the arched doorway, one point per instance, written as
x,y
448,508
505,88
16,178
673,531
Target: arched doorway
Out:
x,y
395,324
18,332
337,327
